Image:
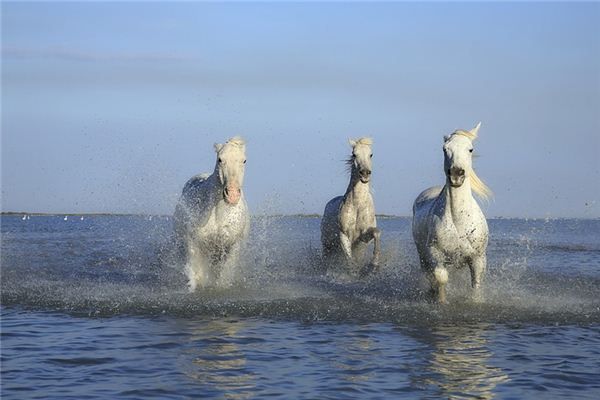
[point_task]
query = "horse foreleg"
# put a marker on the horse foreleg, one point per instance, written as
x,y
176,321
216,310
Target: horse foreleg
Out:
x,y
438,275
346,246
228,267
375,235
197,269
477,266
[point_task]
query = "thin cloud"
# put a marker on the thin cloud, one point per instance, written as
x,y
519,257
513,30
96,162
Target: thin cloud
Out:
x,y
77,55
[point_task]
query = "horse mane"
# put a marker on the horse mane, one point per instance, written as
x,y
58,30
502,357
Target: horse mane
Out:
x,y
365,140
467,134
478,186
237,140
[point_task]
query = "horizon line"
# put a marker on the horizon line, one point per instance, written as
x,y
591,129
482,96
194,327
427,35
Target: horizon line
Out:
x,y
303,215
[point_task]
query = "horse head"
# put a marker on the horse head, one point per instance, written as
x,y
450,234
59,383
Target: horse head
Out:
x,y
360,162
231,163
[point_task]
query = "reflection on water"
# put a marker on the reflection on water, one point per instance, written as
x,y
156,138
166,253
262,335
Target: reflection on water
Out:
x,y
355,358
458,362
217,362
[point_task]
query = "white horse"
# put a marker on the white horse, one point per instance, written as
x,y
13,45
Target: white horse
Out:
x,y
449,228
349,223
211,219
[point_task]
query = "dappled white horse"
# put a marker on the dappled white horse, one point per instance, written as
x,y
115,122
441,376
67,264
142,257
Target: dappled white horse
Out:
x,y
211,219
349,223
449,228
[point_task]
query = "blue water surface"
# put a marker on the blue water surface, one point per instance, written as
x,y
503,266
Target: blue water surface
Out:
x,y
98,308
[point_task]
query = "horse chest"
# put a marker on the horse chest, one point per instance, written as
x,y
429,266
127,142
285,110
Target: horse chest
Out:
x,y
225,224
460,242
355,221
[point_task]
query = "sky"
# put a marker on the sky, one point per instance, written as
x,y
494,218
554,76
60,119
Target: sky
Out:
x,y
111,107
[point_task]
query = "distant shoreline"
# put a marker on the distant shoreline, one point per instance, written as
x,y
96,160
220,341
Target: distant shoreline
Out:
x,y
380,216
100,214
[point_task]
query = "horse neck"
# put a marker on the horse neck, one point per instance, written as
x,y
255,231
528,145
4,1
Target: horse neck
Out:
x,y
457,200
215,185
357,191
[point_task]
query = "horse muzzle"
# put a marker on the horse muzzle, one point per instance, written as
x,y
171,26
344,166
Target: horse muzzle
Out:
x,y
365,176
232,195
456,176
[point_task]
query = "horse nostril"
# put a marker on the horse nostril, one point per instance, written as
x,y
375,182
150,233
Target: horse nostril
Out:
x,y
456,171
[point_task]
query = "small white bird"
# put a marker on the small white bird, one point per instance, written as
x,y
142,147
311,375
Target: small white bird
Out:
x,y
65,218
24,217
82,217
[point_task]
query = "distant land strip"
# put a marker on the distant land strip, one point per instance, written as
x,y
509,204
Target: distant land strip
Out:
x,y
109,214
380,216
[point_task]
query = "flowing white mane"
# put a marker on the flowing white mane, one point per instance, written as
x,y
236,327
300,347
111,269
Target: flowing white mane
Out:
x,y
364,140
468,134
237,140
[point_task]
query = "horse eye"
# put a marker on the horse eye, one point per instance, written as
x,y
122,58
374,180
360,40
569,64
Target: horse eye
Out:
x,y
371,156
245,161
220,160
471,150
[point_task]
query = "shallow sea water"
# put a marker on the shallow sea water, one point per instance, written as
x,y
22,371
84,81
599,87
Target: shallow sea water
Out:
x,y
98,308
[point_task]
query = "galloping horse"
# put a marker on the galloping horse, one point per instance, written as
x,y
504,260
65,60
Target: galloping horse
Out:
x,y
349,223
211,218
449,228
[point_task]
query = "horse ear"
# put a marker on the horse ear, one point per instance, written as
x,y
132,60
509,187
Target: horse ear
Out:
x,y
446,138
351,142
476,129
218,147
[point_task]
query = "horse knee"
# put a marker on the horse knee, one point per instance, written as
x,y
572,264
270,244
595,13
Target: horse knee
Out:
x,y
376,233
441,275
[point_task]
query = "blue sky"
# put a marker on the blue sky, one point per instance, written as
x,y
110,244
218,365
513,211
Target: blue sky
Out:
x,y
111,107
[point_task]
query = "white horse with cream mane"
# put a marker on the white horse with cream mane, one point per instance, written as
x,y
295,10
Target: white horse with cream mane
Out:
x,y
211,218
349,223
449,228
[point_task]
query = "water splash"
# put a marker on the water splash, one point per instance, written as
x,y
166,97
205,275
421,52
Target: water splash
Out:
x,y
126,265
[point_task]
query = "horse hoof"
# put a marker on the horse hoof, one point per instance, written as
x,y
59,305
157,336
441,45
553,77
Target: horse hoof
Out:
x,y
439,299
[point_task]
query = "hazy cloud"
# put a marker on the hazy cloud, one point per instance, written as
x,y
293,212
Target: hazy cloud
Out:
x,y
60,53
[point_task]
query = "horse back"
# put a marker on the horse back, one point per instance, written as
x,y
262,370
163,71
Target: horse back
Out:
x,y
329,222
426,197
194,185
421,210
